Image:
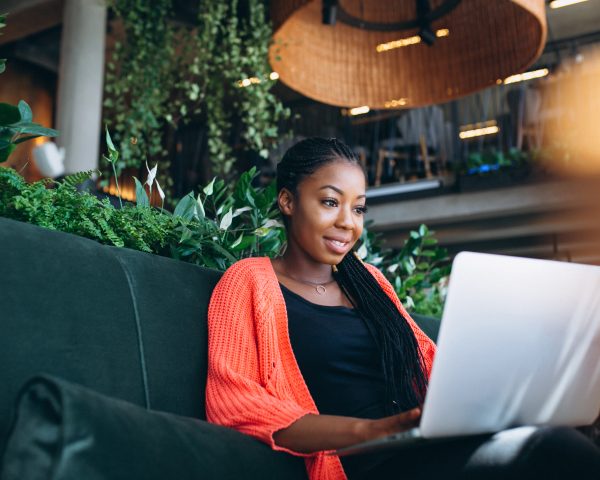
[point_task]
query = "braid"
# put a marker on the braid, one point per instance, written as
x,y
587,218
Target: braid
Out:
x,y
401,357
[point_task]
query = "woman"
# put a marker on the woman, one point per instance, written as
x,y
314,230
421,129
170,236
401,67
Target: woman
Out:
x,y
312,351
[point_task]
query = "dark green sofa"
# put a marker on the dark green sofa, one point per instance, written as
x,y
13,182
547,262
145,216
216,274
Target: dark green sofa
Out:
x,y
129,326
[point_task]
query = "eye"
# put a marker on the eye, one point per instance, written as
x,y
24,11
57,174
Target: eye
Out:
x,y
330,202
361,210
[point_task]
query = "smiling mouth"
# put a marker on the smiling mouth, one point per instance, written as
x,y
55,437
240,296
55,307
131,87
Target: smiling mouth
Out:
x,y
337,246
338,243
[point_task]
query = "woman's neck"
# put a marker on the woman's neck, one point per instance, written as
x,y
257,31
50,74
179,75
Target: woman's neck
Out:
x,y
297,265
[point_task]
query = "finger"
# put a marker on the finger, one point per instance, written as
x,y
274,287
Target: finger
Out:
x,y
410,417
415,413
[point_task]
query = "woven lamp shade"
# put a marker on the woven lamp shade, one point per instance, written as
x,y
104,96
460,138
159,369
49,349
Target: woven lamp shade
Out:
x,y
487,41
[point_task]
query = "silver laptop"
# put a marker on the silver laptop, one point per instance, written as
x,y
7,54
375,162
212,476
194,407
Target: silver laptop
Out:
x,y
519,344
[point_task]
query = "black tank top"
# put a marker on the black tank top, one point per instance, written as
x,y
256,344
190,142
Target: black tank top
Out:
x,y
341,366
337,356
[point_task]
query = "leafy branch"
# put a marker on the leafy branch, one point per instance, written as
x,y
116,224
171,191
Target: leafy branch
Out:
x,y
17,126
418,271
16,123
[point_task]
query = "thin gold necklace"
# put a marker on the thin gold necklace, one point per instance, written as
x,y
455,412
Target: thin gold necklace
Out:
x,y
320,288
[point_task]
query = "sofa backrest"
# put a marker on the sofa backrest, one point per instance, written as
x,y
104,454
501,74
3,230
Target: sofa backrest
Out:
x,y
127,324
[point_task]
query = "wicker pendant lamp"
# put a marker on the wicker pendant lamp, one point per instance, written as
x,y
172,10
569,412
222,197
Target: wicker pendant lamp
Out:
x,y
402,53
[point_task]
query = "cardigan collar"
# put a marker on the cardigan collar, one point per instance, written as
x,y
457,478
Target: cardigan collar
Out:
x,y
290,364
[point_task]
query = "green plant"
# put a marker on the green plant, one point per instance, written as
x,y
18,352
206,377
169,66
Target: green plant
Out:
x,y
214,229
164,73
113,157
418,271
66,209
16,126
229,225
16,123
236,73
492,159
139,82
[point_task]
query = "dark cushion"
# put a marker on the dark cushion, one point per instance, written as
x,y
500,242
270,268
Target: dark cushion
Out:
x,y
171,305
65,431
64,311
128,324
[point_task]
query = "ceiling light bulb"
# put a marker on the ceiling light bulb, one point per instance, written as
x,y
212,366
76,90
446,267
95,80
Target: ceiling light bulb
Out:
x,y
521,77
359,110
405,42
478,129
564,3
398,102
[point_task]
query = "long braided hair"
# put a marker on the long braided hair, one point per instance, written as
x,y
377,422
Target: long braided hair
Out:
x,y
401,358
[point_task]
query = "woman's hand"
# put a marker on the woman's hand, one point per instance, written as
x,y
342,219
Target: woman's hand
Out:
x,y
313,433
372,429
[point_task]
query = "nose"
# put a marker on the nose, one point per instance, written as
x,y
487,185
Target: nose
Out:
x,y
345,219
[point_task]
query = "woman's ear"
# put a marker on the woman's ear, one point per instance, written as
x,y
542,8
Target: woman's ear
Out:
x,y
285,200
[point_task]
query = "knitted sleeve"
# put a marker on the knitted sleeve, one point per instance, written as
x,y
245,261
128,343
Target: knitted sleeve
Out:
x,y
239,392
425,343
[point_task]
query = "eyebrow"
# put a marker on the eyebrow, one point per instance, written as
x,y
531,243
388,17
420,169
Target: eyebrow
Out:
x,y
341,192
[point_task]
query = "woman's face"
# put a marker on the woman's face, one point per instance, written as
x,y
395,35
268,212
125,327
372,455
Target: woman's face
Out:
x,y
326,215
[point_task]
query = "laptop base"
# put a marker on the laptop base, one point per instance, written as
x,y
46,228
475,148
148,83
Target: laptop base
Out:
x,y
408,439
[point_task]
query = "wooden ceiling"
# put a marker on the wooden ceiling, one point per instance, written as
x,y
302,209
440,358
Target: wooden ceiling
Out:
x,y
27,17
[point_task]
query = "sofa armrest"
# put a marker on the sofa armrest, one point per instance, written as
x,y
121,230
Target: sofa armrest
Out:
x,y
64,431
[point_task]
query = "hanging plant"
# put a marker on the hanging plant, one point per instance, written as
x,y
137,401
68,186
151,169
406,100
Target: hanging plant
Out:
x,y
163,73
137,87
239,76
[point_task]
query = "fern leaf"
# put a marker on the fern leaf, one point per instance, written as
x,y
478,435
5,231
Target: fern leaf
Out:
x,y
77,178
91,228
10,177
110,233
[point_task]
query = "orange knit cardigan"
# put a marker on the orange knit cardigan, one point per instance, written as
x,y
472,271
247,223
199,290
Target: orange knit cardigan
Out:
x,y
254,383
